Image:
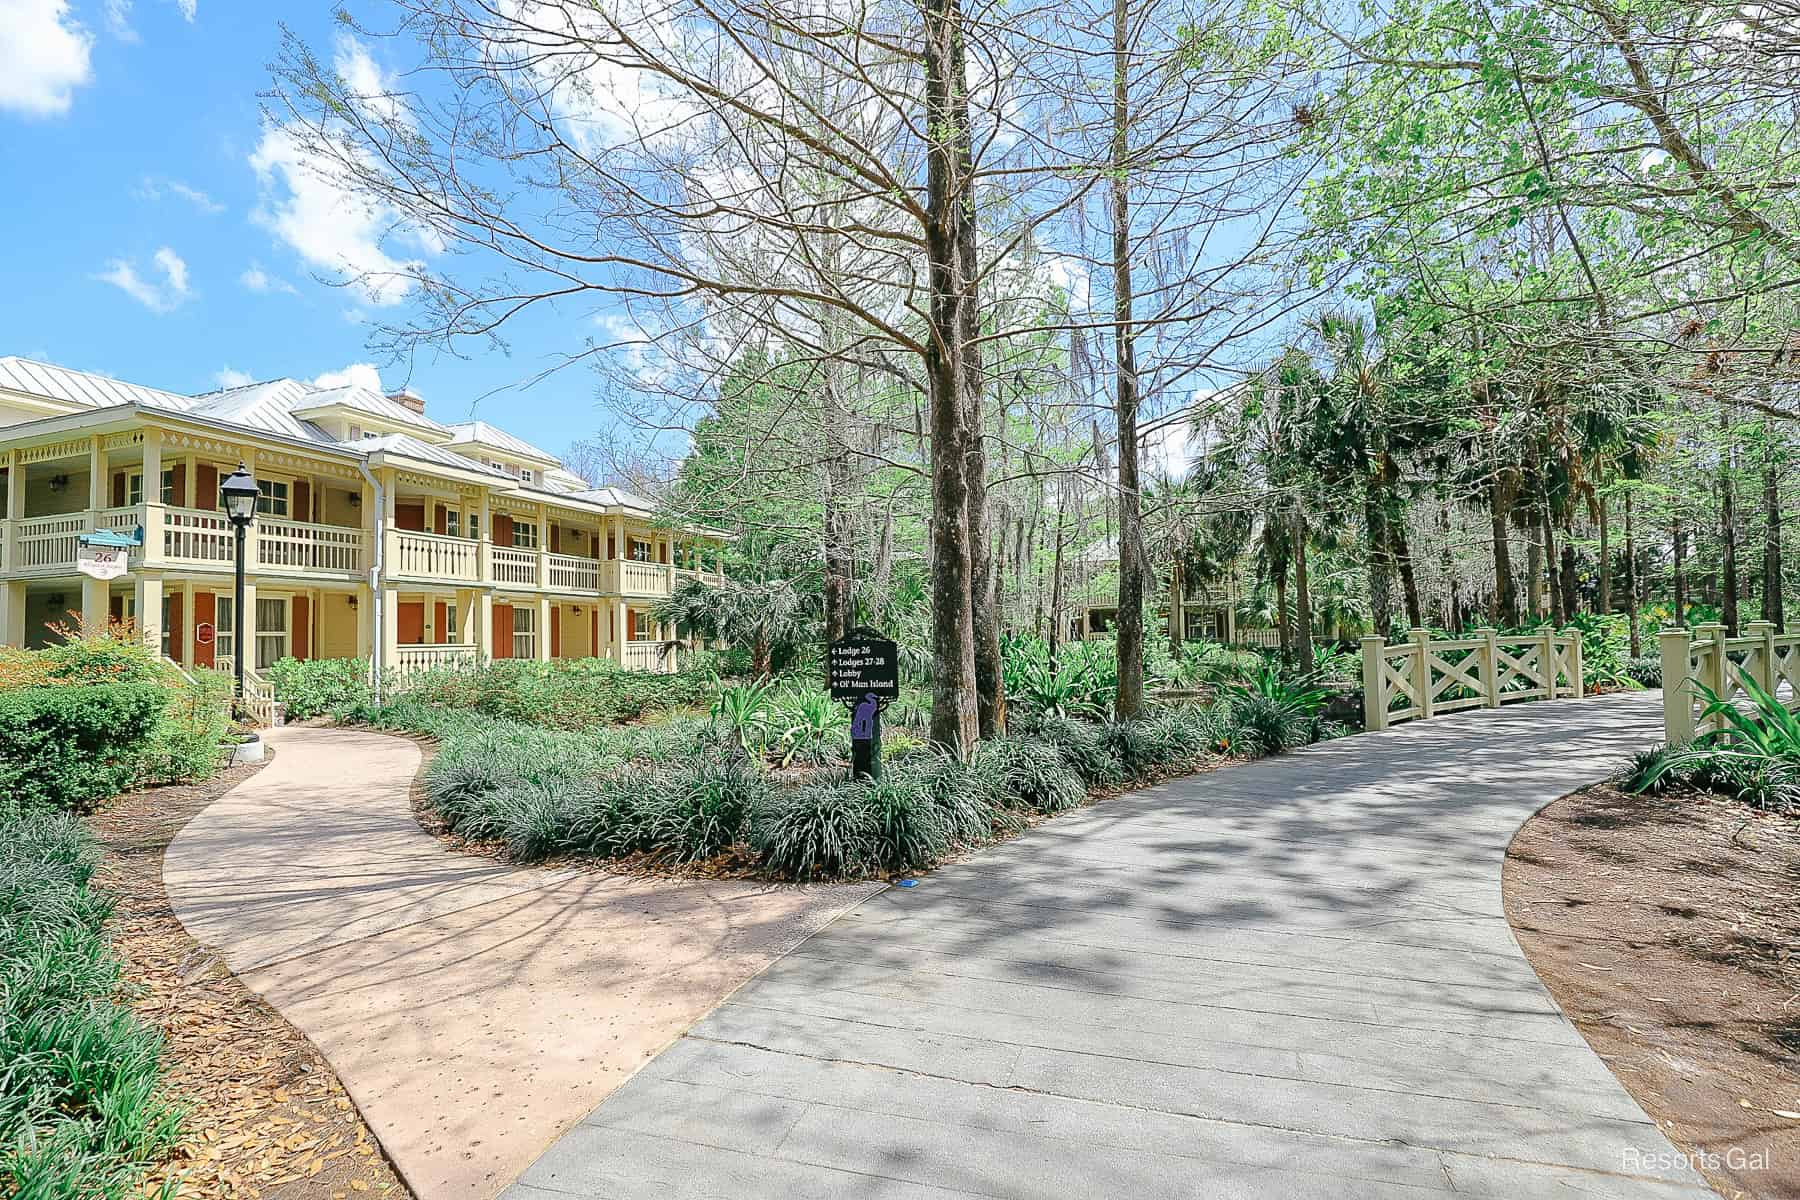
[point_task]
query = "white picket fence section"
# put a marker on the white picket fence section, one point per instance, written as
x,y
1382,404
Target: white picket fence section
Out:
x,y
1424,677
1706,656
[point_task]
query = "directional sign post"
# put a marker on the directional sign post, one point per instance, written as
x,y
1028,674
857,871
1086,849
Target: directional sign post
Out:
x,y
863,670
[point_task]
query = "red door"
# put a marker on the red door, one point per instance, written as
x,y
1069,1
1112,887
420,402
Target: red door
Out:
x,y
502,631
412,622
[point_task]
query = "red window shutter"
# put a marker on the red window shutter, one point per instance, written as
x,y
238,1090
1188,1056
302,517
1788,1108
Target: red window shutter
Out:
x,y
411,619
206,496
180,498
175,642
609,547
442,624
118,482
594,645
300,628
115,607
503,532
203,615
301,509
439,520
410,516
502,631
555,632
556,539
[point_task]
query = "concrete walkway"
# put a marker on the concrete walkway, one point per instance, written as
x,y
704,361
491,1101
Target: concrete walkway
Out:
x,y
474,1011
1291,979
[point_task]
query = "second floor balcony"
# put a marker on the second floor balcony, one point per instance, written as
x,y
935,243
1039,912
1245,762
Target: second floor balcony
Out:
x,y
185,538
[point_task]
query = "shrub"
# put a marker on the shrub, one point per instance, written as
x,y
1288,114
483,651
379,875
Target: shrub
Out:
x,y
72,746
702,809
571,694
821,830
322,686
188,741
1270,714
968,794
79,1109
1035,775
1752,754
911,830
1082,748
1645,669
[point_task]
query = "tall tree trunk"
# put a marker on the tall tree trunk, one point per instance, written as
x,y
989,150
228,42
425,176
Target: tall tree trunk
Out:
x,y
1302,599
1631,583
990,684
1381,578
1678,534
1130,640
1728,568
1605,558
949,226
1177,603
1506,600
1409,586
1534,570
1283,630
1571,587
1550,573
1772,606
1056,585
838,583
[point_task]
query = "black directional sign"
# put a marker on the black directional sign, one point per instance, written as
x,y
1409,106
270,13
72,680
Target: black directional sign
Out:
x,y
863,664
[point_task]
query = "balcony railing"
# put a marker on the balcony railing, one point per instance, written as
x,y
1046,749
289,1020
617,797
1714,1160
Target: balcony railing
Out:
x,y
648,656
432,557
412,659
296,544
569,573
191,535
518,568
46,543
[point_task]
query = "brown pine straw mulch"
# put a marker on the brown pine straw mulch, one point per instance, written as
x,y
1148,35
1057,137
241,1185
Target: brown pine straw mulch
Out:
x,y
266,1116
1668,929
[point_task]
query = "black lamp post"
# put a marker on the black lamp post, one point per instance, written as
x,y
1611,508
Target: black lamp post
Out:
x,y
239,493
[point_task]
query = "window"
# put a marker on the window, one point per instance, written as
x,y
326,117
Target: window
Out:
x,y
271,631
167,649
166,486
224,627
524,632
640,550
453,523
641,628
525,535
274,499
474,527
134,489
356,433
527,476
451,631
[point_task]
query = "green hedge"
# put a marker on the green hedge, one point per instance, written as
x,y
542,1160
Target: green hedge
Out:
x,y
70,747
80,1114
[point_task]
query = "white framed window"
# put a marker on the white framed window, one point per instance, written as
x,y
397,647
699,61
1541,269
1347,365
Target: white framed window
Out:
x,y
525,535
134,487
452,523
474,527
356,433
224,627
274,499
451,632
527,475
640,550
641,628
271,631
524,632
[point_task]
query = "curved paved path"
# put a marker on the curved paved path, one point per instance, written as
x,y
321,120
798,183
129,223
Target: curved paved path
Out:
x,y
1290,979
473,1010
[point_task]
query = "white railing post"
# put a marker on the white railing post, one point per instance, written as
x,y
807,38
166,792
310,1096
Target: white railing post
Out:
x,y
1374,702
1547,661
1575,663
1490,667
1714,667
1764,674
1675,647
1421,657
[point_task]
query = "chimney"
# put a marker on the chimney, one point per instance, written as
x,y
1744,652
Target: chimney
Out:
x,y
410,399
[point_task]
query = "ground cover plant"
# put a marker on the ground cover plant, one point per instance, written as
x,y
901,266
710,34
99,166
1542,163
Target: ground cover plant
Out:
x,y
762,777
80,1114
1753,756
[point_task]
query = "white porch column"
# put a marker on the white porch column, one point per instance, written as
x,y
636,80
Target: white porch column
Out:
x,y
96,603
12,612
464,633
484,625
153,502
184,653
148,597
546,613
621,631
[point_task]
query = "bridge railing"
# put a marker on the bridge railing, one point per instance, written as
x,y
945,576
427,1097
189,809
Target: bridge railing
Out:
x,y
1705,655
1425,676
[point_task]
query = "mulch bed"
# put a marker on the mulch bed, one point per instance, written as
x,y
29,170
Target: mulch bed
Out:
x,y
1668,929
266,1116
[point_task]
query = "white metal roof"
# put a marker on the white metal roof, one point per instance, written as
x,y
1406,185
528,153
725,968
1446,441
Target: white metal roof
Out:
x,y
81,387
361,399
480,433
408,446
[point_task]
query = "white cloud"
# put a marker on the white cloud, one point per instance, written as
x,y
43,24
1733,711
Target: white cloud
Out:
x,y
43,56
355,375
256,279
331,227
154,187
231,377
375,90
187,8
118,20
159,297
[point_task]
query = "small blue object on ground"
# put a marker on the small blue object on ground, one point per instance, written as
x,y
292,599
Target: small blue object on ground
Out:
x,y
907,883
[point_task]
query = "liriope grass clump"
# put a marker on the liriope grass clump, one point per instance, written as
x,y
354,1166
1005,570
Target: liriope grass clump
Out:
x,y
81,1113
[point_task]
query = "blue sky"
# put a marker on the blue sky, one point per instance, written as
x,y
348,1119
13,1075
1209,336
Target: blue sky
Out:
x,y
157,232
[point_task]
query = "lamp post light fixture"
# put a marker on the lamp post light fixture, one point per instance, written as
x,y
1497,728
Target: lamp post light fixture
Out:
x,y
239,493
